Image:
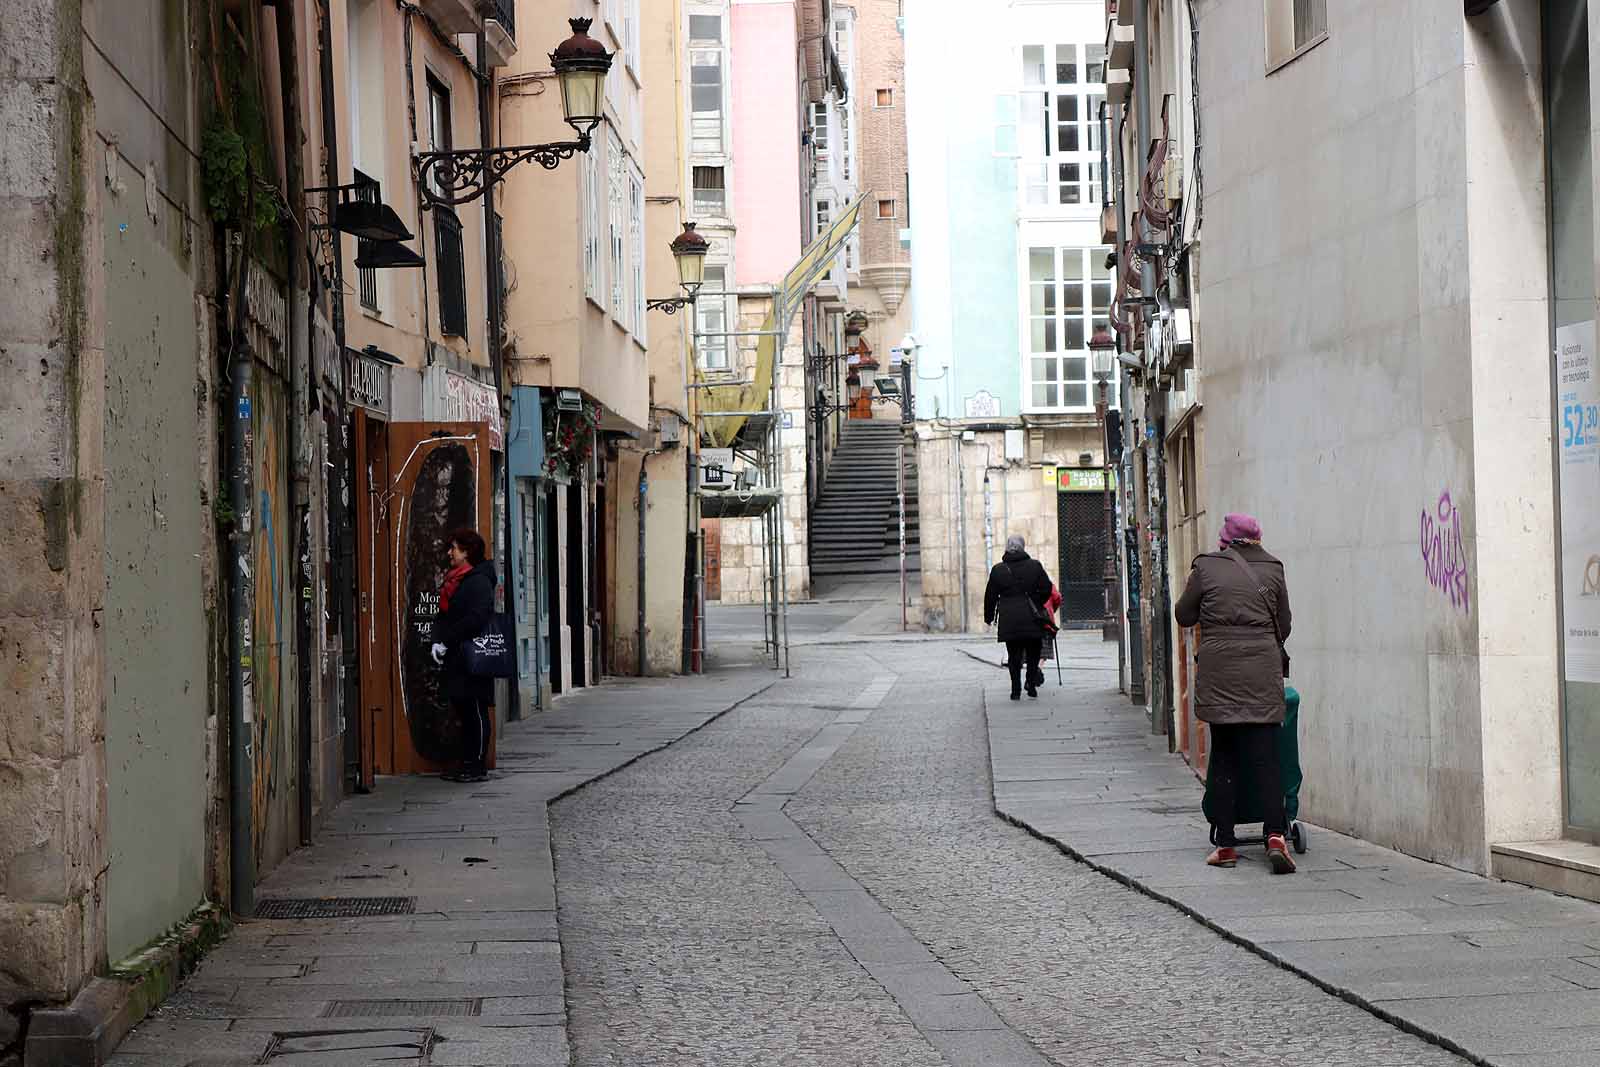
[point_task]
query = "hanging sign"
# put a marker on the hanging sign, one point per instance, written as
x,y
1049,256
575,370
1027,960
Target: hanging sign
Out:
x,y
1578,432
368,382
1085,480
451,397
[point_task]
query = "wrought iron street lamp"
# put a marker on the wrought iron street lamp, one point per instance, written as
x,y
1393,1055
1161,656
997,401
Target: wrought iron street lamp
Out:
x,y
461,176
1104,347
689,252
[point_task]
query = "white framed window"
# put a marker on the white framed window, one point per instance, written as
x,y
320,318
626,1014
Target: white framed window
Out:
x,y
821,217
886,209
593,283
1062,88
630,36
712,318
617,227
884,98
844,141
636,250
707,85
710,191
1069,297
612,10
819,129
1294,27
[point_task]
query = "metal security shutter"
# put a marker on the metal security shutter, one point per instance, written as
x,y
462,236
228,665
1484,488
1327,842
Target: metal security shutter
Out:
x,y
452,272
1081,530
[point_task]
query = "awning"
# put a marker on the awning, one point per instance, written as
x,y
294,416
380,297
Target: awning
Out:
x,y
814,262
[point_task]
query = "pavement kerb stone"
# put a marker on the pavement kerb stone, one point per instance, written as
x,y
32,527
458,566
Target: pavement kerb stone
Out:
x,y
603,775
1342,992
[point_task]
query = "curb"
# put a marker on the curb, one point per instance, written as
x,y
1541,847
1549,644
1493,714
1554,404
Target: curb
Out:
x,y
86,1032
1350,996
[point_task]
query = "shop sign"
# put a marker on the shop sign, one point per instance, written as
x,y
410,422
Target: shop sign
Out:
x,y
1085,480
452,397
368,382
266,316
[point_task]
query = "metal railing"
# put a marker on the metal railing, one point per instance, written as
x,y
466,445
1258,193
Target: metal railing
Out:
x,y
505,13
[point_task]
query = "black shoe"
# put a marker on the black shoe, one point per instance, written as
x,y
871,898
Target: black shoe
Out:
x,y
1033,692
1015,695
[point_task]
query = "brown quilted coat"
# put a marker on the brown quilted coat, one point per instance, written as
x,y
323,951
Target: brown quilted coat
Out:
x,y
1239,675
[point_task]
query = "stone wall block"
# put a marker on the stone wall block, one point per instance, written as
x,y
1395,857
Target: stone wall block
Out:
x,y
32,670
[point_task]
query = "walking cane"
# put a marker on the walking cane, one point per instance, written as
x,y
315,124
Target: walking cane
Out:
x,y
1055,650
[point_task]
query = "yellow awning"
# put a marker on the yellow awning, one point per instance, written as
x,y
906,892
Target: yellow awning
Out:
x,y
814,262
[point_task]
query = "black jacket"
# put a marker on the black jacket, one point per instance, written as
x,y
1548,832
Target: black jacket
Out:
x,y
1016,584
471,607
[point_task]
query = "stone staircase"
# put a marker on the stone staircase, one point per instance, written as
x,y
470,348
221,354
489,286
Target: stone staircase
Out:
x,y
855,524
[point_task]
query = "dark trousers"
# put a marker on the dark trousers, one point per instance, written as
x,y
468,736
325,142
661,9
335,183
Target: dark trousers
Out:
x,y
472,699
1244,756
1016,653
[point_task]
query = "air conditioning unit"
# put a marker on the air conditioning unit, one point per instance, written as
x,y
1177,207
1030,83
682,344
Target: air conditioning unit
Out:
x,y
569,400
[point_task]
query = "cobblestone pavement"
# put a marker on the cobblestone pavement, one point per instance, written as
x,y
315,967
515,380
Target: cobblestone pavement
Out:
x,y
691,936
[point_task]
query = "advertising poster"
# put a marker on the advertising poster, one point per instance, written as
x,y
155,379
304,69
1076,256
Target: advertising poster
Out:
x,y
1578,435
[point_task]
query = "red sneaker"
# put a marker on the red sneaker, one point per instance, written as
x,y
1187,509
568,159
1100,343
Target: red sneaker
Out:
x,y
1278,855
1226,856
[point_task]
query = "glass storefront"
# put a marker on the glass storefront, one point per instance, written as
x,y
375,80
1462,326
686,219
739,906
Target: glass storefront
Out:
x,y
1576,384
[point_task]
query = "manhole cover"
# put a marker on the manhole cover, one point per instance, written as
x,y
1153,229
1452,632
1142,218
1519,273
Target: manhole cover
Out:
x,y
367,1009
333,907
336,1047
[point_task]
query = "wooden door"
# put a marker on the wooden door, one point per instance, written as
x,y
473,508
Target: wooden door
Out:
x,y
435,478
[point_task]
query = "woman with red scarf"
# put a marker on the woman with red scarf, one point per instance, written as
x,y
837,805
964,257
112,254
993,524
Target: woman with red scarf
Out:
x,y
466,604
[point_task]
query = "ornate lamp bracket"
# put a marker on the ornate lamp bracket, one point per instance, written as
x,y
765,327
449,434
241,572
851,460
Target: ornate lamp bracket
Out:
x,y
669,304
462,176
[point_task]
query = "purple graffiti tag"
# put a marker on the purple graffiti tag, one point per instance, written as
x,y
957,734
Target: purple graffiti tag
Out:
x,y
1443,556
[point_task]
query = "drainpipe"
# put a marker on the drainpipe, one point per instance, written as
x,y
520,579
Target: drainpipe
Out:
x,y
644,487
299,340
241,719
491,285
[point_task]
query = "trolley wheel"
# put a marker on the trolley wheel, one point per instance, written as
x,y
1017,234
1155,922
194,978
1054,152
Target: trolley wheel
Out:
x,y
1297,837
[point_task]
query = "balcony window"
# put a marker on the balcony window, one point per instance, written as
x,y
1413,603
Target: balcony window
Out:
x,y
710,192
1069,296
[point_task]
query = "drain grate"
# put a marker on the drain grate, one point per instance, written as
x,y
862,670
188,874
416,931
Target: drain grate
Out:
x,y
333,907
422,1009
350,1046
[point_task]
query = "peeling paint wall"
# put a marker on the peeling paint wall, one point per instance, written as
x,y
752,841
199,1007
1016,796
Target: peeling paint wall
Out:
x,y
155,615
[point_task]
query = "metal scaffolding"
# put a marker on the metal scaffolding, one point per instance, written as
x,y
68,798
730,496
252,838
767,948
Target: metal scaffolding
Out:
x,y
758,442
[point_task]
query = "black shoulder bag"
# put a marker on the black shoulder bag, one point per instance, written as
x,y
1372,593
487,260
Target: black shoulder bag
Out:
x,y
1039,614
1266,598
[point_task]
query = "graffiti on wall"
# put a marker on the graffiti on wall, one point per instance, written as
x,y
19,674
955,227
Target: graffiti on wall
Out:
x,y
1444,556
272,576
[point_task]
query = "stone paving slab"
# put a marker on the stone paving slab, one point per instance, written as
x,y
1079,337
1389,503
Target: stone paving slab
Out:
x,y
477,859
1499,973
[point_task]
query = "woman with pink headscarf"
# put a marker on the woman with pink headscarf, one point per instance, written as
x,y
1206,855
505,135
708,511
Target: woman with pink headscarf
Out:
x,y
1239,596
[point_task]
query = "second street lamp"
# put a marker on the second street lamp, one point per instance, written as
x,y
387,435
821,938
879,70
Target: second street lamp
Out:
x,y
689,252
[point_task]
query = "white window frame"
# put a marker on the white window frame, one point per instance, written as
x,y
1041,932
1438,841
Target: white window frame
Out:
x,y
894,209
1047,357
877,104
819,128
1044,181
1294,27
821,216
698,148
630,38
612,14
593,273
708,212
712,353
617,228
636,250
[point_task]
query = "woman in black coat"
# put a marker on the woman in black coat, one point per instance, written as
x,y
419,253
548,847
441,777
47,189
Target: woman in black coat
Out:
x,y
466,604
1018,589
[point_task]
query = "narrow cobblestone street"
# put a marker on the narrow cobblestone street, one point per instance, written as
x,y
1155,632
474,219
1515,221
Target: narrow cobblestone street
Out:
x,y
818,877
